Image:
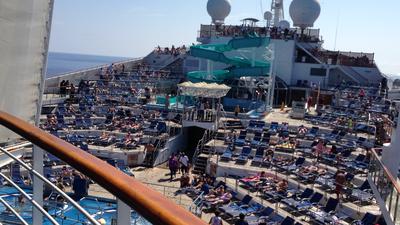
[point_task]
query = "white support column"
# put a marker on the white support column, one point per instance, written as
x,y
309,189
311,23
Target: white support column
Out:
x,y
210,69
123,213
37,184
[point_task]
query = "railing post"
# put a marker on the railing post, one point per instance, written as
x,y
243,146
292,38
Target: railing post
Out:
x,y
123,213
37,185
395,209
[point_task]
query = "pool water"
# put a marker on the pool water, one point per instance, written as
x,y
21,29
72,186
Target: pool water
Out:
x,y
64,214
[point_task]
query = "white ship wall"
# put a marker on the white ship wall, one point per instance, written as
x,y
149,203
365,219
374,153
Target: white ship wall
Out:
x,y
391,153
284,59
301,71
25,27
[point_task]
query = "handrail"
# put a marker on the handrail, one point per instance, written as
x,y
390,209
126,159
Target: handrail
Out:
x,y
12,210
394,181
30,199
47,182
147,202
60,75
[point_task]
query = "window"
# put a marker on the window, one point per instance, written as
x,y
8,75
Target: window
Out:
x,y
318,72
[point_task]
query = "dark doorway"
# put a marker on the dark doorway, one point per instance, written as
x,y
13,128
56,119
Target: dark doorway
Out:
x,y
193,135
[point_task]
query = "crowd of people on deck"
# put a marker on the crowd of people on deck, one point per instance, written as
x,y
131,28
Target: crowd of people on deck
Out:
x,y
174,51
179,163
344,58
273,31
67,88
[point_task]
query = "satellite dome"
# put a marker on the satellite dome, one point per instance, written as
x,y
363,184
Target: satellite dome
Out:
x,y
218,10
268,16
284,24
304,12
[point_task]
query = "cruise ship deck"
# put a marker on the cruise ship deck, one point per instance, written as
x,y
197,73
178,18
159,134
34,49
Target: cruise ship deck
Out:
x,y
253,123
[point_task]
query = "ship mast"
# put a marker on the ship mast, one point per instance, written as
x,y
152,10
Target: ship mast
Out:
x,y
278,12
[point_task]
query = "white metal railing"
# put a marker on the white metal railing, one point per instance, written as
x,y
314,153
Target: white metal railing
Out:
x,y
47,182
94,68
196,206
16,214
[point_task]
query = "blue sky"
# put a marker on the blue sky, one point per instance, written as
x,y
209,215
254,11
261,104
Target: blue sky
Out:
x,y
133,28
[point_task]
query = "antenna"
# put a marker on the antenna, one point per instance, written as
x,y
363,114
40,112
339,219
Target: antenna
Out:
x,y
261,8
337,28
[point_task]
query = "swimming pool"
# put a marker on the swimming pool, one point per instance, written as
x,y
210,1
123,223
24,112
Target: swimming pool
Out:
x,y
64,213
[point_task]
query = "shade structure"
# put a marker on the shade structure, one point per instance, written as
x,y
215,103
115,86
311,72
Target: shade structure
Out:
x,y
202,89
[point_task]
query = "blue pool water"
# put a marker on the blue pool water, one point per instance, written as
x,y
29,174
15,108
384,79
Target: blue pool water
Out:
x,y
64,214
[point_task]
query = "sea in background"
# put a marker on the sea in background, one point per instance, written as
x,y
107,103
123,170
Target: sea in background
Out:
x,y
59,63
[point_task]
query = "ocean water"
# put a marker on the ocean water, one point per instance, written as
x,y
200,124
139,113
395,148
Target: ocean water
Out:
x,y
59,63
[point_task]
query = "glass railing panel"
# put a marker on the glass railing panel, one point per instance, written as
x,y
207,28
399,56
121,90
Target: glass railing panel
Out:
x,y
387,187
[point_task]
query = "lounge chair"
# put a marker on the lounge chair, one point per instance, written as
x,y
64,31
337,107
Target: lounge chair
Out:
x,y
252,126
291,202
236,205
79,123
227,155
359,164
16,175
241,140
244,155
312,133
87,123
265,141
302,206
292,167
259,126
264,213
258,157
245,209
323,215
273,128
361,193
368,219
256,140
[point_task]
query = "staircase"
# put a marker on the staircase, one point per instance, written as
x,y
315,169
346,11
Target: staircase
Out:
x,y
202,153
150,158
160,61
305,47
354,75
347,70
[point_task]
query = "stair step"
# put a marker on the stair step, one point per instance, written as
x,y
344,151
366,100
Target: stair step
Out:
x,y
200,169
197,172
201,162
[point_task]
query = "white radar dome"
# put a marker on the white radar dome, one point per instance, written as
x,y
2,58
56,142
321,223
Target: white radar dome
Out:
x,y
284,24
304,12
218,10
268,16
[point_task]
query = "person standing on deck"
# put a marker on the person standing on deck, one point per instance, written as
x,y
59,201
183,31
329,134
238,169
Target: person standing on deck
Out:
x,y
237,111
184,161
167,102
350,125
173,166
309,102
340,180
